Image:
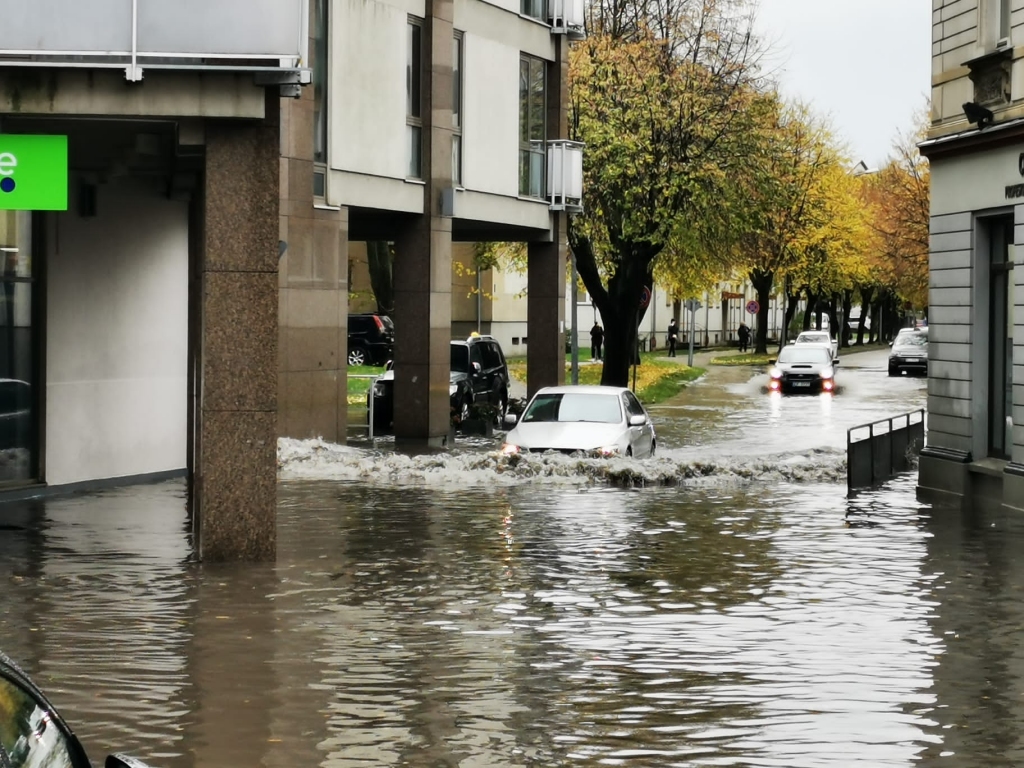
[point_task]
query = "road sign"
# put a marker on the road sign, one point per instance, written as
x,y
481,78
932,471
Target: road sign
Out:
x,y
753,307
645,297
692,305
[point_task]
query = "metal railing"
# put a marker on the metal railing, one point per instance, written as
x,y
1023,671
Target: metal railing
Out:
x,y
887,448
373,377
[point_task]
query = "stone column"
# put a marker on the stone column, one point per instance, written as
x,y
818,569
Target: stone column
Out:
x,y
423,257
235,483
546,276
545,310
313,289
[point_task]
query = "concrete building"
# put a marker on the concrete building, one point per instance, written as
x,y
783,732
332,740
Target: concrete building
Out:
x,y
975,443
431,122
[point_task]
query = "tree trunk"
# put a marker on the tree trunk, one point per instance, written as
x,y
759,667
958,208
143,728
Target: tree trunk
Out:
x,y
866,296
619,303
847,299
812,307
792,302
380,259
762,281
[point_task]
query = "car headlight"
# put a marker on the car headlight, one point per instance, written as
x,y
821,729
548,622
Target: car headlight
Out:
x,y
828,373
452,389
775,373
608,450
510,449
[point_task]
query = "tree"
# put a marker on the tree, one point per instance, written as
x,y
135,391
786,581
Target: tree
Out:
x,y
380,261
656,106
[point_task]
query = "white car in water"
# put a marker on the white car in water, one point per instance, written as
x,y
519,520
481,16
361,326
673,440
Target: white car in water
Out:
x,y
595,420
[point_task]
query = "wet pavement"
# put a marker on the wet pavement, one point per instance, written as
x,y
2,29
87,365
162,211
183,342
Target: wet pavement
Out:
x,y
723,603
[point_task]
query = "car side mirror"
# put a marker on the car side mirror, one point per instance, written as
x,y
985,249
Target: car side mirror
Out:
x,y
390,364
33,732
477,367
510,420
637,420
835,361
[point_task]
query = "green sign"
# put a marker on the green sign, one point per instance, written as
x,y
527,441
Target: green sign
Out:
x,y
33,173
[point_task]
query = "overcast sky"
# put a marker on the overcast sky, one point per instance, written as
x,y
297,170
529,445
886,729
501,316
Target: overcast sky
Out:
x,y
864,64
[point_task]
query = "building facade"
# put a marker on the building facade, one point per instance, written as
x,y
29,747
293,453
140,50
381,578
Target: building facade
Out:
x,y
974,453
431,122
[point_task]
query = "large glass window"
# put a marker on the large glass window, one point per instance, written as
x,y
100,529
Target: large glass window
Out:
x,y
457,109
1004,19
1000,353
18,444
414,97
532,8
532,130
320,63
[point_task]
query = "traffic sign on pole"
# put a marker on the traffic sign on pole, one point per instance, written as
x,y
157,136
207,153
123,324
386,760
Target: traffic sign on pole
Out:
x,y
753,307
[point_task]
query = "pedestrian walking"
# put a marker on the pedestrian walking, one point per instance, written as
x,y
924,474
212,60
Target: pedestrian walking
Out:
x,y
672,338
744,336
596,340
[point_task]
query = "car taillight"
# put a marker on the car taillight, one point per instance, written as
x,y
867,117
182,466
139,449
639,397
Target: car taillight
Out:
x,y
379,322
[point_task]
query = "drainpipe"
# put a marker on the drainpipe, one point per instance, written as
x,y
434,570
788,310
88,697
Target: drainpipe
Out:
x,y
479,301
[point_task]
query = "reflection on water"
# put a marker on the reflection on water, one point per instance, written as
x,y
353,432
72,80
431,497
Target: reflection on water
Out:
x,y
528,625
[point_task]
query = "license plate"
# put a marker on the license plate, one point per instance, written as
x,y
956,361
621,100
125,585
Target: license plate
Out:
x,y
913,359
801,383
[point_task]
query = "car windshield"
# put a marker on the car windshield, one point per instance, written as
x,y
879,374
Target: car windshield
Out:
x,y
808,354
572,406
813,338
912,339
460,358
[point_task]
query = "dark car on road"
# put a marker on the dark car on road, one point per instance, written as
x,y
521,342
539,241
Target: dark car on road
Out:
x,y
371,339
803,368
32,732
478,381
909,353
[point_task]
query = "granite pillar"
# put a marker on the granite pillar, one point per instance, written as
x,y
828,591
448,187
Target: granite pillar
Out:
x,y
545,310
235,484
313,291
423,257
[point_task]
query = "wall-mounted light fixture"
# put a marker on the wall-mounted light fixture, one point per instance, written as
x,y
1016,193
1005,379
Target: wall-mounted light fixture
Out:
x,y
978,114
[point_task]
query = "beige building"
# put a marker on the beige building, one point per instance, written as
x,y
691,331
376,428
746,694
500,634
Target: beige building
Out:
x,y
974,451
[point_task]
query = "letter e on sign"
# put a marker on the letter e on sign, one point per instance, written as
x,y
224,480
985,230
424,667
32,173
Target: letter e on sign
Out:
x,y
8,163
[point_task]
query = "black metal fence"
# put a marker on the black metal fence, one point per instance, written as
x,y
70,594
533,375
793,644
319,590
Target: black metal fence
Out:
x,y
877,451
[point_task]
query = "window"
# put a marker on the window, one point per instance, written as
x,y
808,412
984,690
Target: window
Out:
x,y
414,97
532,133
320,38
1004,19
532,8
457,110
1000,351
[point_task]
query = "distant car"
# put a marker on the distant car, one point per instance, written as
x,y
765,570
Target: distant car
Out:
x,y
593,420
32,732
909,353
371,339
478,376
822,338
803,368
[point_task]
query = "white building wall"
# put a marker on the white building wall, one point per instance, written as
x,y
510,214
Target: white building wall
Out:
x,y
116,337
367,87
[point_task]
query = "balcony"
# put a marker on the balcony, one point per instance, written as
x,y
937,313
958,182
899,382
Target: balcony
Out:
x,y
565,176
265,37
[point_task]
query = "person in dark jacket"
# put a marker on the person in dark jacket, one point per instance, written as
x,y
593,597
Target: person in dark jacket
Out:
x,y
744,336
596,340
672,337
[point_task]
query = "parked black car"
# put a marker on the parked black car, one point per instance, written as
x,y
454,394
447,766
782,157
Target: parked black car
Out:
x,y
478,377
371,339
32,732
909,353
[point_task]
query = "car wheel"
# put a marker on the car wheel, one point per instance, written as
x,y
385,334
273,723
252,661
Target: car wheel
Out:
x,y
464,410
654,446
629,452
356,356
893,371
502,409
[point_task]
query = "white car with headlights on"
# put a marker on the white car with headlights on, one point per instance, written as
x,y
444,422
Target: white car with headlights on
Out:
x,y
593,420
803,368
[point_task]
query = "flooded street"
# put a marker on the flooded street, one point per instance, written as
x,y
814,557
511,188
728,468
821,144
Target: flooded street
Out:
x,y
721,604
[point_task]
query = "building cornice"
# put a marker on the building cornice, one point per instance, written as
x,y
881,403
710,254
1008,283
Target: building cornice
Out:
x,y
974,140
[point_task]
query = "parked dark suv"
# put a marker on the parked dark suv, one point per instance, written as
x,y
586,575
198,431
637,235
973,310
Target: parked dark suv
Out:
x,y
371,339
478,380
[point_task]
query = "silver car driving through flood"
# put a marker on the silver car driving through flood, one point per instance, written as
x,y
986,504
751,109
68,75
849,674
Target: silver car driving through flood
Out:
x,y
803,368
596,420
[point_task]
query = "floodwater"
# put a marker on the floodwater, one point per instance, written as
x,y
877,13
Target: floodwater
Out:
x,y
722,604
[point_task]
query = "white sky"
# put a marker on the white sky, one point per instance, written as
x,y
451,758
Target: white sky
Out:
x,y
863,64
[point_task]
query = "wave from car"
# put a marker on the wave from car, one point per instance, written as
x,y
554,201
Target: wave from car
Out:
x,y
594,420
